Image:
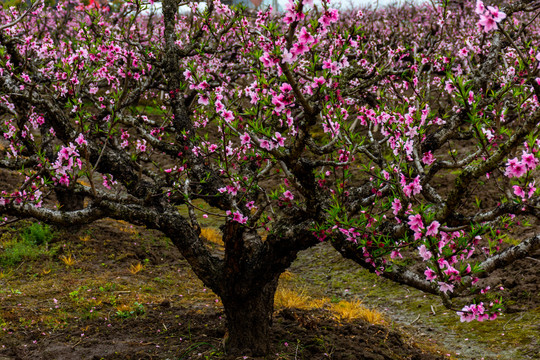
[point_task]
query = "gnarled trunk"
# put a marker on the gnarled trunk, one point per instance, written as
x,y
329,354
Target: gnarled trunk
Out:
x,y
68,200
249,319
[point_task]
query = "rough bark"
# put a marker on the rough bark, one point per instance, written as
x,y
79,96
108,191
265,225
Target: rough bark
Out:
x,y
249,319
69,201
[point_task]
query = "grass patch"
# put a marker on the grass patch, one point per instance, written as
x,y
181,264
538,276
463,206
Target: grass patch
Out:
x,y
286,298
213,235
215,217
353,310
342,311
32,244
37,234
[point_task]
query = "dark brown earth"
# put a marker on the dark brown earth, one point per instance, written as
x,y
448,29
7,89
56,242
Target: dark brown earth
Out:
x,y
175,332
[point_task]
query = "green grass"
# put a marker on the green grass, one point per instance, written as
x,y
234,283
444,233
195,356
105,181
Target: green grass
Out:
x,y
330,275
37,234
212,221
32,244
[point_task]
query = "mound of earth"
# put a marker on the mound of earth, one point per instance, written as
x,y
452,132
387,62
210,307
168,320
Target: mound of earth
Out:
x,y
168,331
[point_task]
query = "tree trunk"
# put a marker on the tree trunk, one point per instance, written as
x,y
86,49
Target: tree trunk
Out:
x,y
249,319
69,201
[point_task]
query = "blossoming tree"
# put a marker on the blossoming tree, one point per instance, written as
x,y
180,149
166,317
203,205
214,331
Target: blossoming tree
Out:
x,y
374,131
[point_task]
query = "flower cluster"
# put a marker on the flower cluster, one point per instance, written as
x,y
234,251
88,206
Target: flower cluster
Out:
x,y
517,168
479,312
489,16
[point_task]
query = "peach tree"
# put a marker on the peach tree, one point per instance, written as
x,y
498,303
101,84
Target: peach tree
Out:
x,y
405,137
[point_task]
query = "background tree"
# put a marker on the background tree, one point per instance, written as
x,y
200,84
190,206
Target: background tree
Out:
x,y
372,130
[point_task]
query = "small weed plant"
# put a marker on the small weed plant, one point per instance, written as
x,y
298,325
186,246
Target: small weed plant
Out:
x,y
84,238
136,268
129,311
68,260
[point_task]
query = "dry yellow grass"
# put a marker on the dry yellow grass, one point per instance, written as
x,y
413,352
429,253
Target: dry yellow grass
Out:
x,y
83,182
127,227
286,298
342,311
286,275
136,268
352,310
68,260
213,235
84,238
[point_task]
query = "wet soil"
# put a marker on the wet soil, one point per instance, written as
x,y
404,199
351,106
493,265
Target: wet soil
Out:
x,y
176,332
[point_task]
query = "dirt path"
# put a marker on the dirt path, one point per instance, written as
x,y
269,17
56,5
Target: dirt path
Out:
x,y
516,335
